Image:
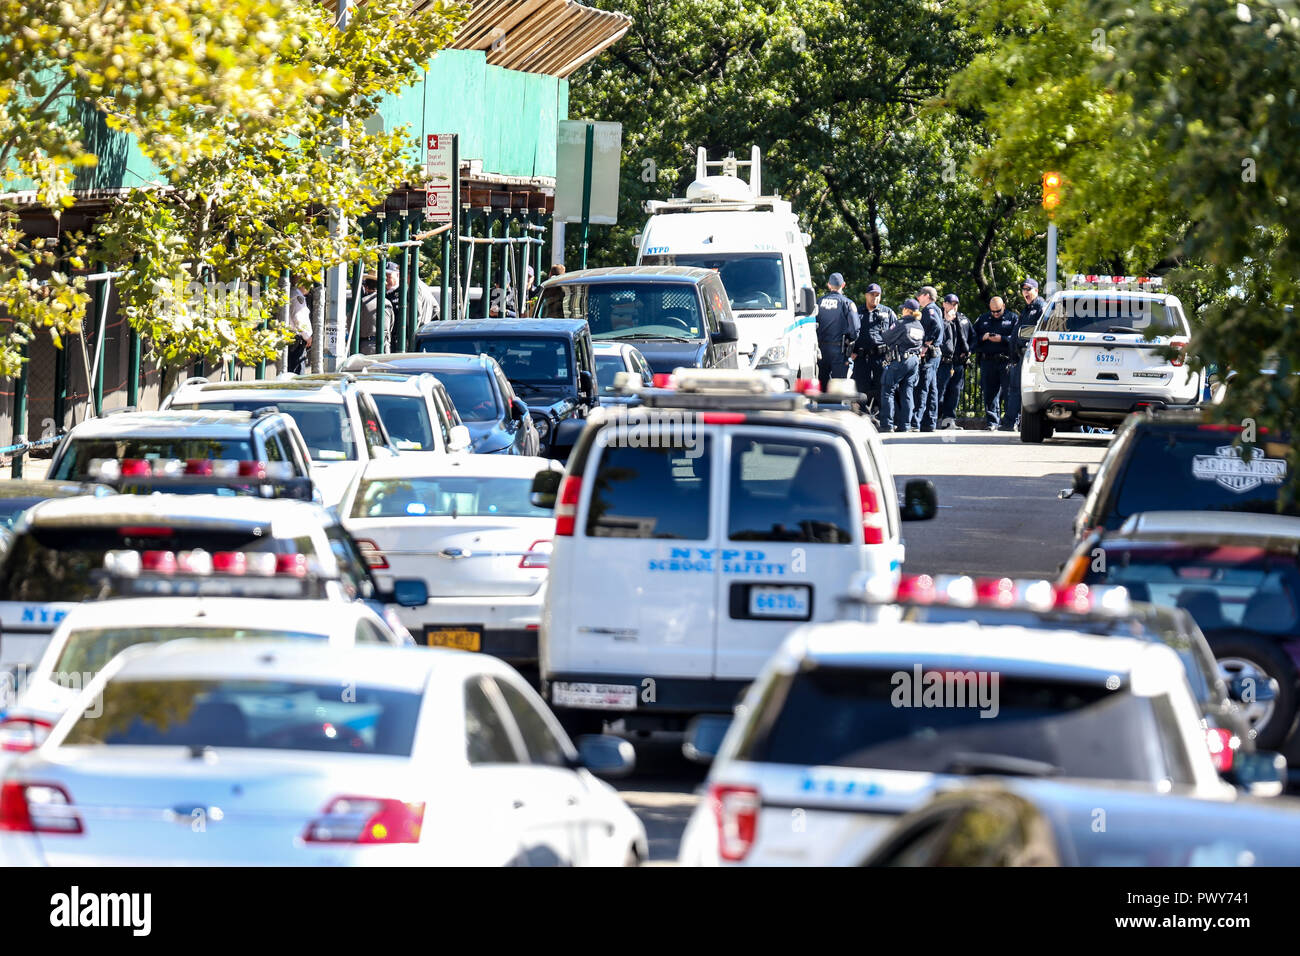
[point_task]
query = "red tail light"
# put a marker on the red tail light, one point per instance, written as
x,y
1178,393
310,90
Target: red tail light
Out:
x,y
36,808
136,468
229,562
1040,349
366,820
145,531
566,507
538,555
873,519
199,466
1220,742
372,555
160,562
736,811
1180,354
21,734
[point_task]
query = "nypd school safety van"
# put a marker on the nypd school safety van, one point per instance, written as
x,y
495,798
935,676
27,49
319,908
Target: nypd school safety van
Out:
x,y
756,244
695,530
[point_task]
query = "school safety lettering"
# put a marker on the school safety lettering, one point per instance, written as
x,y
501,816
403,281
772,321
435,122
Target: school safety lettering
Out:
x,y
707,560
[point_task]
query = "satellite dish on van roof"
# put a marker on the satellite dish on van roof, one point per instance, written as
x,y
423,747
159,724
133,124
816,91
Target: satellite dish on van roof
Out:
x,y
719,189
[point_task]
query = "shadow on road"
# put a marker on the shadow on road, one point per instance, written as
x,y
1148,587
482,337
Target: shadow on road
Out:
x,y
662,792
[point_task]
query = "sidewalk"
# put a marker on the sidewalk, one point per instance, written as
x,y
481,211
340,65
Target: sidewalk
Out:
x,y
32,468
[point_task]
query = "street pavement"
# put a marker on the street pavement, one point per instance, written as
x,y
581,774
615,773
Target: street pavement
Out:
x,y
998,515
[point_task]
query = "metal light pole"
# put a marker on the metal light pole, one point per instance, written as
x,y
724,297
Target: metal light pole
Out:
x,y
336,281
586,188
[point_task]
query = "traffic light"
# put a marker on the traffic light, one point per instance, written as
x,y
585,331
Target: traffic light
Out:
x,y
1052,185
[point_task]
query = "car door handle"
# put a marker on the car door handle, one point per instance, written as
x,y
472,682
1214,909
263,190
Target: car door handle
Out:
x,y
518,804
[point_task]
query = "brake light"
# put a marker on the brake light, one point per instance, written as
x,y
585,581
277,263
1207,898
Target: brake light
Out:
x,y
873,520
36,808
368,820
1180,354
145,531
1041,346
1222,747
723,418
21,734
736,811
372,555
566,506
538,554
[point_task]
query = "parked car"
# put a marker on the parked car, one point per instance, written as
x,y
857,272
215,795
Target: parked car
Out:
x,y
420,416
615,357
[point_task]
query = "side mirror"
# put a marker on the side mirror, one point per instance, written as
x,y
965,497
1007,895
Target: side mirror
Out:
x,y
1261,774
1082,481
459,438
636,240
546,485
518,410
1026,333
605,755
920,500
807,300
726,331
586,383
410,592
704,737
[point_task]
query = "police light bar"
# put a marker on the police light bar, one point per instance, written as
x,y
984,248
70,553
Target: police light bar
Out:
x,y
198,573
114,469
1002,593
1115,282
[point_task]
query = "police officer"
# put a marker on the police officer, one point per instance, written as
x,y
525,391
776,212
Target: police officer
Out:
x,y
958,340
926,410
869,349
994,331
1035,308
837,330
902,341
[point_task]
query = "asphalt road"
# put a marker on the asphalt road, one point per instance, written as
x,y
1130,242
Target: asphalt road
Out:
x,y
998,514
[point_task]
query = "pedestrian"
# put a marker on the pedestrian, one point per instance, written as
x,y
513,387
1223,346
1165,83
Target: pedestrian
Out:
x,y
371,303
298,318
925,412
993,349
869,349
557,269
837,330
902,341
427,307
501,305
958,340
1035,308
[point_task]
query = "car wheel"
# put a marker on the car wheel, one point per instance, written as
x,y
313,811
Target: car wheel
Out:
x,y
1034,427
1244,655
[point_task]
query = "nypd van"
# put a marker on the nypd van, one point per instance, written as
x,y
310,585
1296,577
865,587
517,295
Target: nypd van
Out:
x,y
757,246
694,531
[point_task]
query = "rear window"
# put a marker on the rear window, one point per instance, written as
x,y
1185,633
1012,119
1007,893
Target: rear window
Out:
x,y
867,718
89,649
447,498
407,419
1104,313
81,452
1174,470
525,359
788,491
265,715
472,393
652,492
325,426
651,310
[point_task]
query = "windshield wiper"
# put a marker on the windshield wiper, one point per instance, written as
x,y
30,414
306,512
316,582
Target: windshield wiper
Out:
x,y
1120,328
649,336
1003,764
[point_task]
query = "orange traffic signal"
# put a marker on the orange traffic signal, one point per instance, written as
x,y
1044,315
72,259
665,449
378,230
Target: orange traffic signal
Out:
x,y
1052,184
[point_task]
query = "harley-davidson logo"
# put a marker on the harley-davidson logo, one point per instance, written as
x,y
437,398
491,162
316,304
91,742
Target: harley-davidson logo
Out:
x,y
1229,468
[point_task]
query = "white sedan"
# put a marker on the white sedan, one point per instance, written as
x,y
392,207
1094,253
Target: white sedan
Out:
x,y
93,634
466,525
293,753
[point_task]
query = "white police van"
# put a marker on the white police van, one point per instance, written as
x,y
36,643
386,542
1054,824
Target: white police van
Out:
x,y
759,249
1101,351
694,531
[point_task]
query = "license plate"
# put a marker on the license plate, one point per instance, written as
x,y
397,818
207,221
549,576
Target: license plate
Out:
x,y
778,602
594,696
458,638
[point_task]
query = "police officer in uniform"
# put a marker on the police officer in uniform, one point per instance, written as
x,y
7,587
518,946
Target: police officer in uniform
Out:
x,y
869,349
837,330
994,350
958,340
926,410
902,341
1035,308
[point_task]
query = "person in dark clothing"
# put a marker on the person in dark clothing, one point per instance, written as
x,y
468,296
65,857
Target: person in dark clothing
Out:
x,y
1035,308
925,412
837,330
372,300
994,331
869,349
958,340
902,341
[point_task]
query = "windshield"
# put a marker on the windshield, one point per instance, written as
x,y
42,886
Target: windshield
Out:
x,y
324,425
1102,313
1174,470
607,366
262,714
81,452
633,310
525,359
472,393
752,281
851,717
447,497
407,419
87,651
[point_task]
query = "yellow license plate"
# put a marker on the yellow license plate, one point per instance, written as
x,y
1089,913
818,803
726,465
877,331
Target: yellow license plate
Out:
x,y
458,638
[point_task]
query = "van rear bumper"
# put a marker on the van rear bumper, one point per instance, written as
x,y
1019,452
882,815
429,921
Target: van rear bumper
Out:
x,y
659,700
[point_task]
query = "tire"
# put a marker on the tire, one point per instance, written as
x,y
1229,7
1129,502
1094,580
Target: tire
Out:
x,y
1034,428
1237,652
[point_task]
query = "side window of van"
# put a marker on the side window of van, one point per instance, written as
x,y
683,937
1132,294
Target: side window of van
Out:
x,y
652,492
788,490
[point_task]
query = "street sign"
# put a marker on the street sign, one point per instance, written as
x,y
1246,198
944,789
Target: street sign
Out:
x,y
440,177
571,160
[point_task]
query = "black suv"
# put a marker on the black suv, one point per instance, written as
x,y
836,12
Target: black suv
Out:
x,y
549,363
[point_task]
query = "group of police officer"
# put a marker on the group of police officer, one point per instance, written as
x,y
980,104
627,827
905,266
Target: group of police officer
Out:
x,y
912,367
